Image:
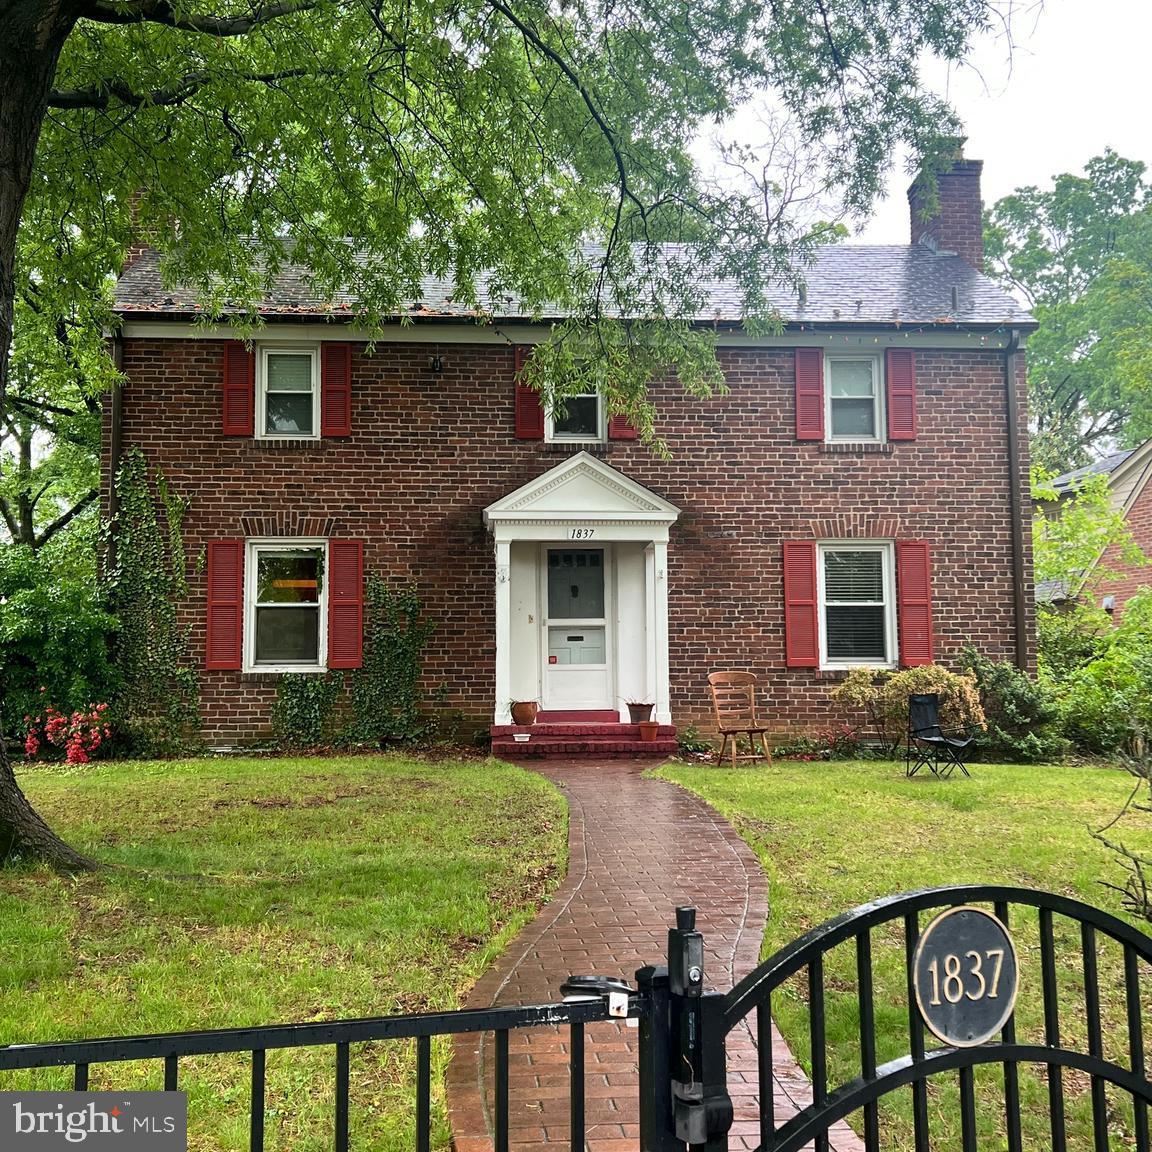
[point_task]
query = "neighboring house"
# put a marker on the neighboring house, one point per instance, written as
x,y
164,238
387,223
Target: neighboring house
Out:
x,y
1118,578
856,498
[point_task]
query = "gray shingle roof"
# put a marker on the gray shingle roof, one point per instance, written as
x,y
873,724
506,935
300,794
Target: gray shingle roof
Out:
x,y
891,285
1106,465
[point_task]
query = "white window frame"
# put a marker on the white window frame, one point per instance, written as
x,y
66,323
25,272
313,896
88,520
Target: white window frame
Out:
x,y
888,573
266,350
551,436
878,411
252,551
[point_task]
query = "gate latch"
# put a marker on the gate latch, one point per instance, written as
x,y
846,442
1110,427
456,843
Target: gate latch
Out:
x,y
616,990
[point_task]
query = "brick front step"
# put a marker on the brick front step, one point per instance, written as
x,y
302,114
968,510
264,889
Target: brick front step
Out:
x,y
592,740
592,749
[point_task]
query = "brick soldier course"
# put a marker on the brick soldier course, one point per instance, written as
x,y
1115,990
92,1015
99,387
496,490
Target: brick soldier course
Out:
x,y
637,848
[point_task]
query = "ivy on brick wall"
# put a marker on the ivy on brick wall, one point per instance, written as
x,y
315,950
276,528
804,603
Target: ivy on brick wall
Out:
x,y
388,705
304,712
155,710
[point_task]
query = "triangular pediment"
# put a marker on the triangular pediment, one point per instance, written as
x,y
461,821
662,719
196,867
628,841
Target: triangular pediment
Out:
x,y
582,488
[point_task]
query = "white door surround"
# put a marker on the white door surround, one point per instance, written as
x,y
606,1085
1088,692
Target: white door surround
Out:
x,y
583,505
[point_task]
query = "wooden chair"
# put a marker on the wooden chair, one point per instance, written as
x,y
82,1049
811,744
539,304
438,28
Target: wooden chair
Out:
x,y
734,702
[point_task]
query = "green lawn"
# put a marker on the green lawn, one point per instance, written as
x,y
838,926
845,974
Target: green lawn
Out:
x,y
833,835
250,892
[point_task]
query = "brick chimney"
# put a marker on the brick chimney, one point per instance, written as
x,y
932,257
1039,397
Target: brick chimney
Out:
x,y
956,225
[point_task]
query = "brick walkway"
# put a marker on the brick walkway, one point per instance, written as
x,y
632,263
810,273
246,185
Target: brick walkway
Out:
x,y
637,848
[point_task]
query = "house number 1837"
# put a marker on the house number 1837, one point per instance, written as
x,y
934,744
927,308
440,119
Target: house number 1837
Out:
x,y
955,979
965,976
581,533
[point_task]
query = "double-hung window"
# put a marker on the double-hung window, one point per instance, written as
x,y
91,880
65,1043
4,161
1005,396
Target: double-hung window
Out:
x,y
857,592
286,606
582,419
854,398
288,393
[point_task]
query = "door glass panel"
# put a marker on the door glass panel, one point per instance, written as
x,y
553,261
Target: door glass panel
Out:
x,y
576,646
576,585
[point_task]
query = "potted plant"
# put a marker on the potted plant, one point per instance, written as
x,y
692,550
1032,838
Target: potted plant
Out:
x,y
639,710
648,730
523,711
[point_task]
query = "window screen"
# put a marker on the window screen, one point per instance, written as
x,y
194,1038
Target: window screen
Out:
x,y
581,418
852,398
855,616
289,588
288,398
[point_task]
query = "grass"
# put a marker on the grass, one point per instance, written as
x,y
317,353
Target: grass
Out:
x,y
831,836
249,892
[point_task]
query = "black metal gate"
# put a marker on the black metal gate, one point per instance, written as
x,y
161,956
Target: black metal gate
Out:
x,y
986,943
959,976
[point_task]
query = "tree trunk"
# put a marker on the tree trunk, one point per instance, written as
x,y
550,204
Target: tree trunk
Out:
x,y
32,33
24,834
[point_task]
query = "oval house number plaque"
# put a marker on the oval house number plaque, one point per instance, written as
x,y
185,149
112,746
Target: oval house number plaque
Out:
x,y
965,976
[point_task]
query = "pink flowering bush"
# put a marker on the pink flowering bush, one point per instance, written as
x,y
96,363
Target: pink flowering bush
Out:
x,y
79,735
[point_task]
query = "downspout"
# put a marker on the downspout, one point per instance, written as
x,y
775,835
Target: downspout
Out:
x,y
115,447
1015,504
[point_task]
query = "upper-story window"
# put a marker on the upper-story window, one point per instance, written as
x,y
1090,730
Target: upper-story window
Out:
x,y
854,398
288,392
582,420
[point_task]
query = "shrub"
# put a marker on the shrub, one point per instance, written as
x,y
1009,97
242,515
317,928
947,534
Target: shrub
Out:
x,y
1106,705
882,698
79,735
54,628
1021,713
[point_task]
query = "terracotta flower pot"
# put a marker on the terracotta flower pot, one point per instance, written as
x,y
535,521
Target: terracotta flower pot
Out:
x,y
638,713
648,730
524,711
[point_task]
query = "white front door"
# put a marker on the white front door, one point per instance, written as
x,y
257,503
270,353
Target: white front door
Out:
x,y
577,636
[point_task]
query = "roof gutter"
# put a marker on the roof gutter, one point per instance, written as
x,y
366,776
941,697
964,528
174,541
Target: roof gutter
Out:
x,y
1015,500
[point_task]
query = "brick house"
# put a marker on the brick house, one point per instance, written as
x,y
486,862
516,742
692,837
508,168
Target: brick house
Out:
x,y
856,497
1128,474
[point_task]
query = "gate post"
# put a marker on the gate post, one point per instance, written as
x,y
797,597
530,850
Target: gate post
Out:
x,y
657,1133
701,1106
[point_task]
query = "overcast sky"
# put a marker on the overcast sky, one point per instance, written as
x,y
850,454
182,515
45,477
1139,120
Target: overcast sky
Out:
x,y
1078,81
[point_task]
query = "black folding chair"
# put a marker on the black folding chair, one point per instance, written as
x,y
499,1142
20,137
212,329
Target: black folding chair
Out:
x,y
931,746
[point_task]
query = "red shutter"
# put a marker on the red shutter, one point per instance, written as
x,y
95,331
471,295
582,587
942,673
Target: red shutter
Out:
x,y
239,395
809,394
619,428
345,603
335,389
529,410
901,374
801,628
225,625
914,599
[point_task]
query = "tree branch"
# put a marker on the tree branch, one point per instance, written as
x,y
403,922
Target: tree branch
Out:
x,y
9,521
62,522
162,12
191,84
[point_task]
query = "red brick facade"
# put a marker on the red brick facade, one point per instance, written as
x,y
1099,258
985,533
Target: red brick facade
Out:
x,y
1125,579
429,451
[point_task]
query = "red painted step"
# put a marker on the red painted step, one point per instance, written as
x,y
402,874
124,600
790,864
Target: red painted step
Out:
x,y
575,716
